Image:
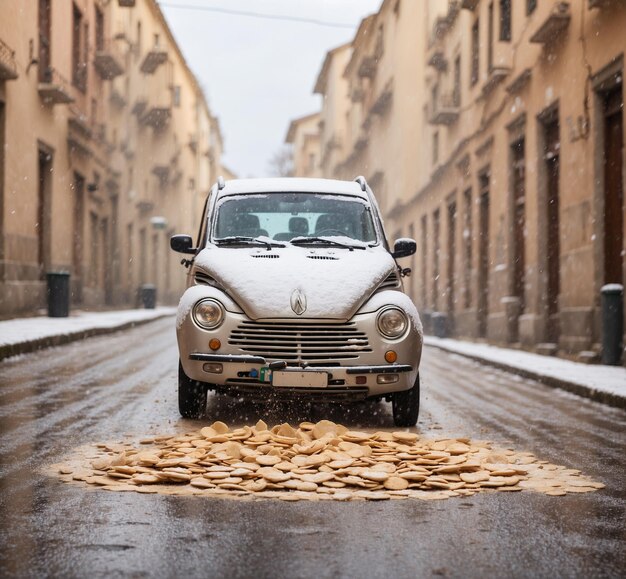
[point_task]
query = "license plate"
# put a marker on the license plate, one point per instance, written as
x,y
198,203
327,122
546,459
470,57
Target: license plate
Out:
x,y
295,379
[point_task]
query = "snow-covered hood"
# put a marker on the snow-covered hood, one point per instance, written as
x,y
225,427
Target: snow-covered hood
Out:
x,y
328,283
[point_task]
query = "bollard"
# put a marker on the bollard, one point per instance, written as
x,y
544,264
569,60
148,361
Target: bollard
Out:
x,y
148,296
58,289
612,300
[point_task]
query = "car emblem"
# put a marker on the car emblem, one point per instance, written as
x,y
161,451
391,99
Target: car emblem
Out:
x,y
298,302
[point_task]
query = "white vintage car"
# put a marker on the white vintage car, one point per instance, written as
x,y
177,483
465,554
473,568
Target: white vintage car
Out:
x,y
293,290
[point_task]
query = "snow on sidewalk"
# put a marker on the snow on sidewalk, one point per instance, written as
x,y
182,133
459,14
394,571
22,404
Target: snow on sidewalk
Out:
x,y
23,335
603,383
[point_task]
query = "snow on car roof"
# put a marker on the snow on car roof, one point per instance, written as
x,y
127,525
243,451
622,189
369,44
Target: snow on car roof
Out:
x,y
292,185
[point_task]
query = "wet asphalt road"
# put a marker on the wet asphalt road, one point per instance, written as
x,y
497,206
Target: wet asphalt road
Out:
x,y
124,385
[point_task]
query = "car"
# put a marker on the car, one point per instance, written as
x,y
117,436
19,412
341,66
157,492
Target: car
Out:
x,y
293,290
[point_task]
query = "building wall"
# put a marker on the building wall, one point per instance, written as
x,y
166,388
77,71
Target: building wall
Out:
x,y
502,173
304,137
113,174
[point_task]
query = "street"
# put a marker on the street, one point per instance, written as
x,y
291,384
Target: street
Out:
x,y
123,387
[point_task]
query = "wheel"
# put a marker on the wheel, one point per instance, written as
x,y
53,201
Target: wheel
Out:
x,y
192,395
406,405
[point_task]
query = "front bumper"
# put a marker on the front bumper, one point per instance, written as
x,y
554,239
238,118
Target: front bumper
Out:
x,y
250,351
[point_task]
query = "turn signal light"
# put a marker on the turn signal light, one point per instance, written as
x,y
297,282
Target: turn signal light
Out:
x,y
215,344
391,356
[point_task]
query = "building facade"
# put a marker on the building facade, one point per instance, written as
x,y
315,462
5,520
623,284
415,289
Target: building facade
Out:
x,y
512,177
304,137
107,147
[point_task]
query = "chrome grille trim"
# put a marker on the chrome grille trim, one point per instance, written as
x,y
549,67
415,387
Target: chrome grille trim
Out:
x,y
300,342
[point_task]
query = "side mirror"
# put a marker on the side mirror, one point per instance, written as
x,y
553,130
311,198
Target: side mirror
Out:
x,y
404,247
182,244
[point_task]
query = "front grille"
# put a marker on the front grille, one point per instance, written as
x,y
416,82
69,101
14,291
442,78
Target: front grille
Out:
x,y
298,342
265,256
201,278
392,281
324,257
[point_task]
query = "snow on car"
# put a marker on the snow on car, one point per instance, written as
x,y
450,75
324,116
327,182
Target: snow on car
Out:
x,y
293,290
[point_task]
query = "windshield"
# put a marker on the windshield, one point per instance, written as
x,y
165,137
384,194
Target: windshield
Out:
x,y
285,216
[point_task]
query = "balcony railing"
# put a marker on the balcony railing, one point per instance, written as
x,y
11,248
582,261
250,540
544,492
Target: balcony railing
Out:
x,y
153,59
444,111
469,4
384,100
367,68
117,98
496,75
108,60
157,115
162,171
357,94
54,89
553,23
8,68
437,58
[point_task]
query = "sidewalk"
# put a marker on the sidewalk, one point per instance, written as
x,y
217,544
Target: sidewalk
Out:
x,y
605,384
23,335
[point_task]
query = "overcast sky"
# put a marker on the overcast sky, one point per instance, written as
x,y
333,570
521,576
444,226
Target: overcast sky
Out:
x,y
257,73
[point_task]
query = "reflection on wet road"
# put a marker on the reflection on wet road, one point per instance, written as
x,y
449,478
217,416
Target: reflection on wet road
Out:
x,y
123,387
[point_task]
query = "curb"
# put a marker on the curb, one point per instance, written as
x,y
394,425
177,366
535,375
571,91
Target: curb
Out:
x,y
608,398
10,350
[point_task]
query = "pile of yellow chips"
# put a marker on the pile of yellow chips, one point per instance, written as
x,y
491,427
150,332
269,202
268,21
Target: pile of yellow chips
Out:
x,y
323,461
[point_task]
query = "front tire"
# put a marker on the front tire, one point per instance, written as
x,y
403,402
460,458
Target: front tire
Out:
x,y
192,395
406,405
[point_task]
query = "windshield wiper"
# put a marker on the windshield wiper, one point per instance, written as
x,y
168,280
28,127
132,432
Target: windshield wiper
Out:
x,y
242,240
324,241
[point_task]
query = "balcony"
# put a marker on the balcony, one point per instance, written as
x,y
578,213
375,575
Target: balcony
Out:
x,y
384,100
519,82
156,116
145,205
78,124
153,59
367,68
162,171
437,58
117,98
469,4
141,102
600,3
554,22
496,75
108,61
8,68
54,89
357,94
443,111
126,3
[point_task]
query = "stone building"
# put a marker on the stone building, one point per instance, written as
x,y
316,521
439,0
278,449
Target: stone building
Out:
x,y
304,137
506,163
107,146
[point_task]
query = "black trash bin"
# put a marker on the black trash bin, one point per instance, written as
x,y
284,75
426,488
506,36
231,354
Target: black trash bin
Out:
x,y
58,294
612,302
440,324
148,296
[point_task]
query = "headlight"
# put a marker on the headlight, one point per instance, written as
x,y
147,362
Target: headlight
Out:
x,y
208,313
392,322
